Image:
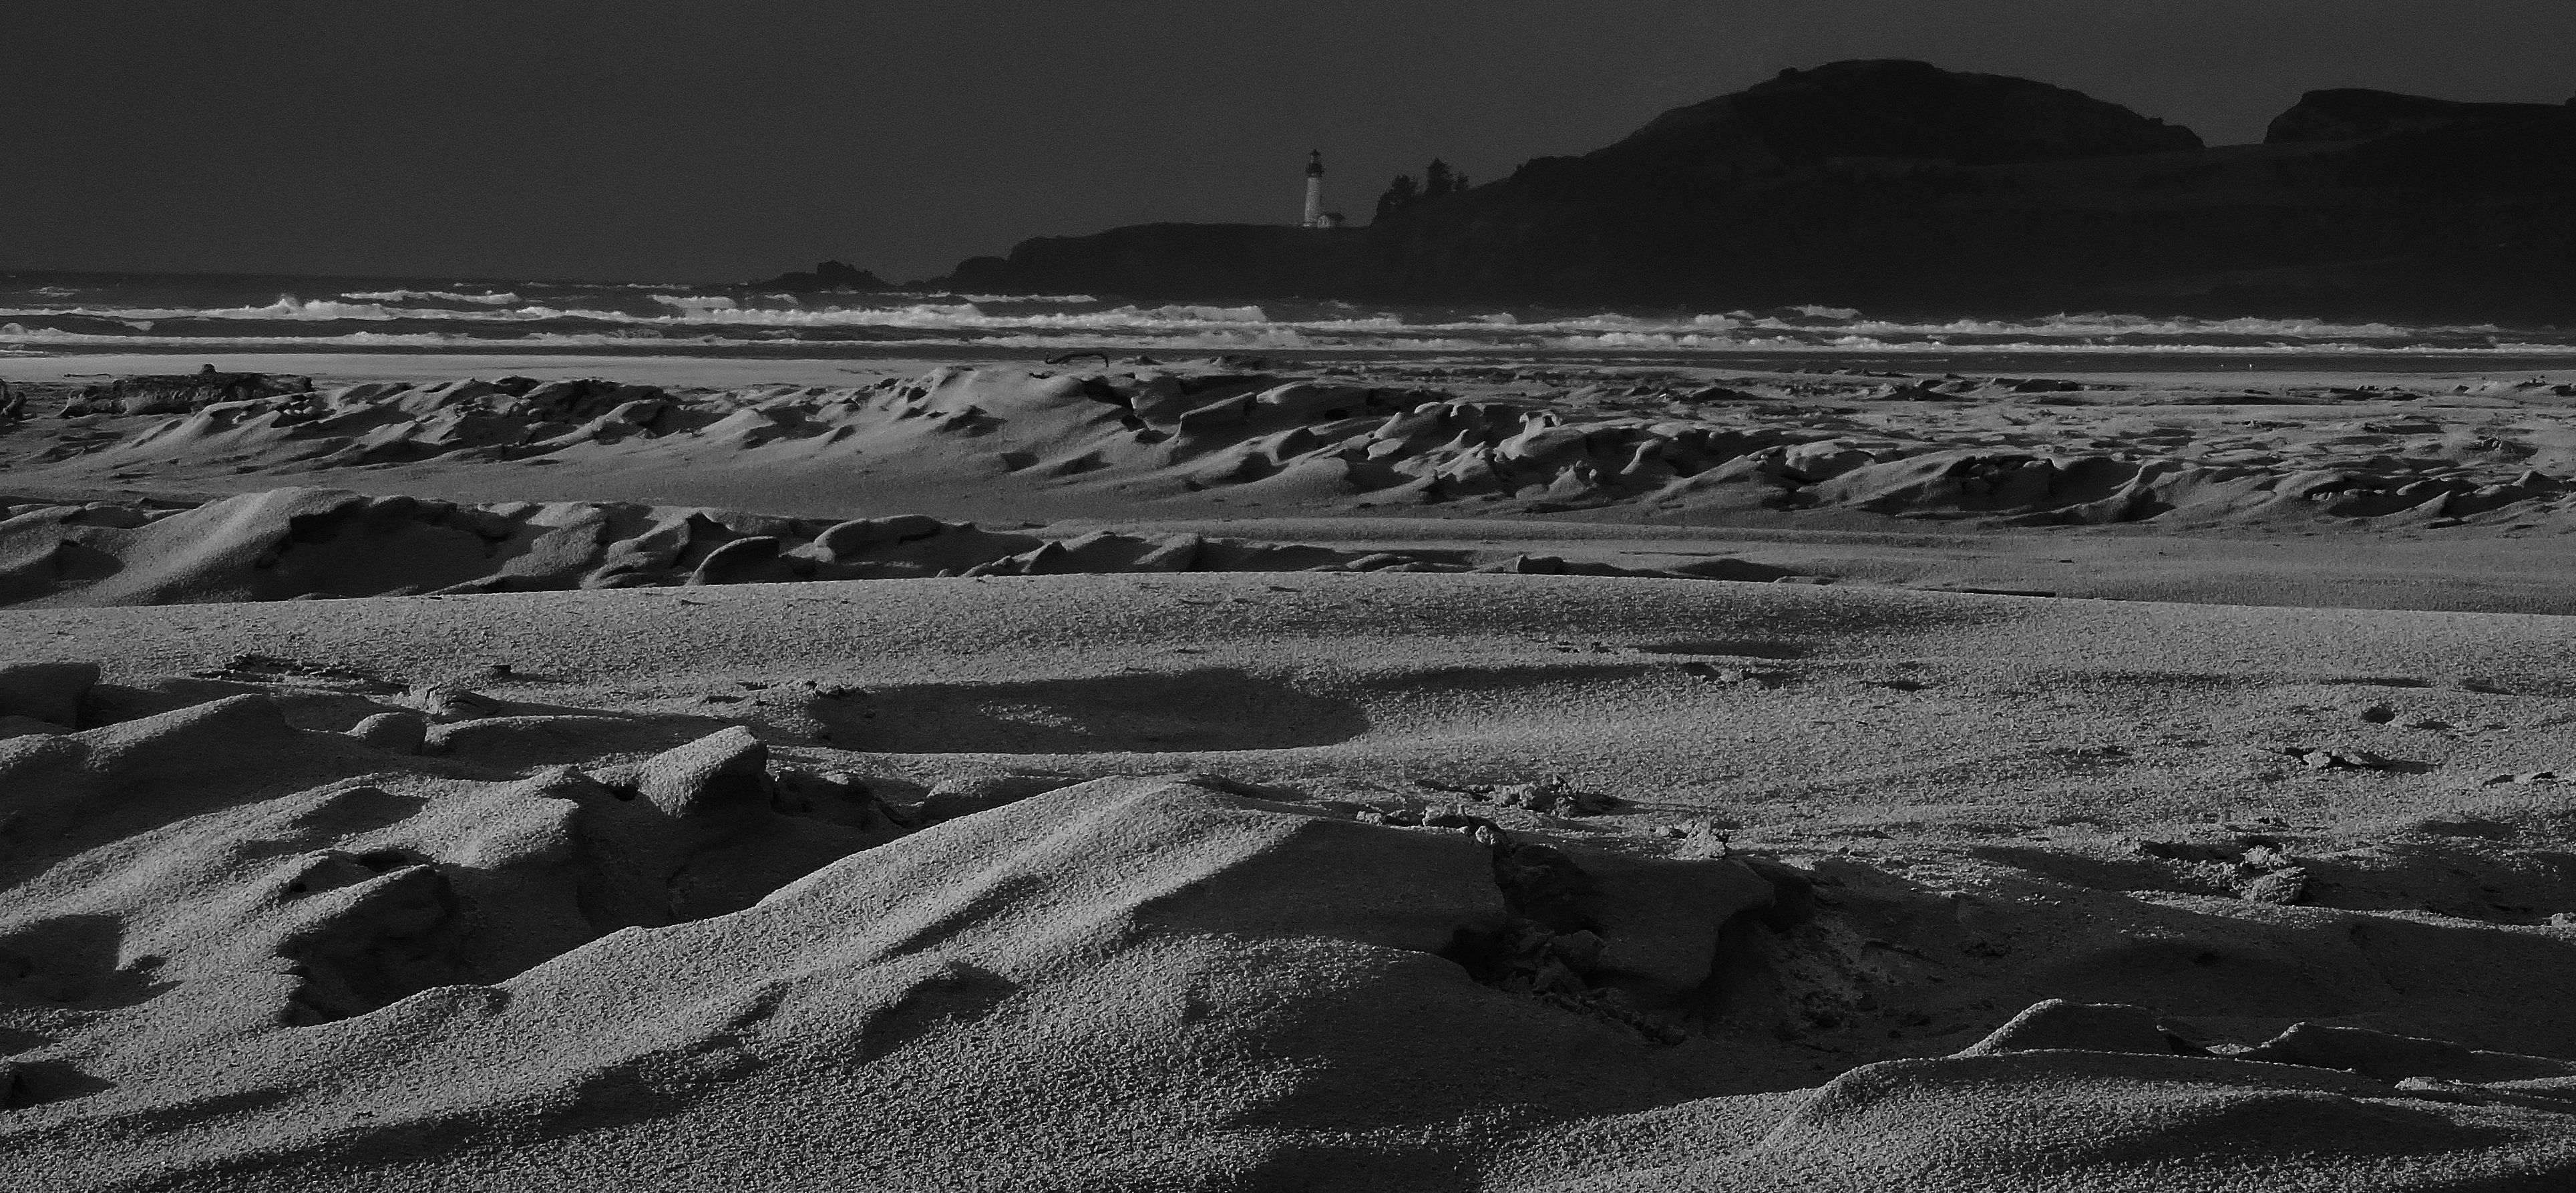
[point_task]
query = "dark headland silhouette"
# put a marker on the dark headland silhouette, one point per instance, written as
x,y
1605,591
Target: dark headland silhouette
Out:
x,y
1898,185
825,278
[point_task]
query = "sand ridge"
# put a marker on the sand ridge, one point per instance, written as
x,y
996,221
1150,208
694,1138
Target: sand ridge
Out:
x,y
306,544
1665,445
1114,961
2404,489
1570,778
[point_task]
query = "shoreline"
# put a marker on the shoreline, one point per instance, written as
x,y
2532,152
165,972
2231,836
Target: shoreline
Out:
x,y
717,370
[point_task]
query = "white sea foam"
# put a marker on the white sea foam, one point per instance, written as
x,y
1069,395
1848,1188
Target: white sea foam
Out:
x,y
287,306
489,300
696,302
1031,299
685,310
18,337
1058,299
667,315
13,333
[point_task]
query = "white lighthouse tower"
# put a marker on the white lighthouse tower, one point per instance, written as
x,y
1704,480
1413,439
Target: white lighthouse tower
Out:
x,y
1316,216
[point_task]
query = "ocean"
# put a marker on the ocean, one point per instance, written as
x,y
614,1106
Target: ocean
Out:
x,y
44,314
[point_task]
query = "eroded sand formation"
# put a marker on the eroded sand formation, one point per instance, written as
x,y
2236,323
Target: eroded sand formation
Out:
x,y
1666,446
626,847
290,544
913,893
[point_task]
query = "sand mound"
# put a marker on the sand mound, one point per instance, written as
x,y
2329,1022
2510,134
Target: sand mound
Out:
x,y
295,925
1171,980
286,544
2051,1120
2015,451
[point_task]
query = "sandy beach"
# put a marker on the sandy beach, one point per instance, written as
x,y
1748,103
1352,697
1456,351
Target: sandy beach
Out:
x,y
2414,489
1851,597
1366,773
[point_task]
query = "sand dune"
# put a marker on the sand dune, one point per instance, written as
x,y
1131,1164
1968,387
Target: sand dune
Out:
x,y
833,883
1236,776
290,544
1998,451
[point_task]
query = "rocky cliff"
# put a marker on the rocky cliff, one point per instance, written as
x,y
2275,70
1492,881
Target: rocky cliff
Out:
x,y
2359,114
1897,185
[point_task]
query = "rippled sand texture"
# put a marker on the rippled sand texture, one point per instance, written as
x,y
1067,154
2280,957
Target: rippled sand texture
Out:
x,y
2164,487
594,785
1663,443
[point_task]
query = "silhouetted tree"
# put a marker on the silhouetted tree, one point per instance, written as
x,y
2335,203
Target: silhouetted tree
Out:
x,y
1399,194
1438,179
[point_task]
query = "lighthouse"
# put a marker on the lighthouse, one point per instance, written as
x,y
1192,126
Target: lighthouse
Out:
x,y
1316,216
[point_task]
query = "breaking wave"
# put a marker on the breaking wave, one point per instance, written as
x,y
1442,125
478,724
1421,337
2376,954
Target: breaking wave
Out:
x,y
531,316
489,300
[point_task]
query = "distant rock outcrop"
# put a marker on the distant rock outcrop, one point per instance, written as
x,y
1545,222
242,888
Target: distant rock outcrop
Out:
x,y
830,275
1878,111
2360,114
1897,184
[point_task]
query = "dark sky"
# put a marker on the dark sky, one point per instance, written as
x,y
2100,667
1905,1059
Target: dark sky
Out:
x,y
692,139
